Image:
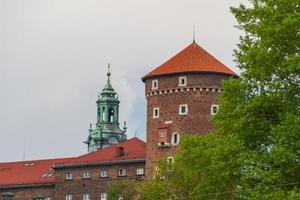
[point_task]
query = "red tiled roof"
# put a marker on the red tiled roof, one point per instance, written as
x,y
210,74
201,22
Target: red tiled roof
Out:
x,y
28,172
190,60
134,149
36,171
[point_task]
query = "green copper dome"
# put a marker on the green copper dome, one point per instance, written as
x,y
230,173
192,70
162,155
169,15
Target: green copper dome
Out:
x,y
107,131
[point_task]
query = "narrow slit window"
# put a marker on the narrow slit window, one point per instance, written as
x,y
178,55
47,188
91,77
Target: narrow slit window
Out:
x,y
111,115
183,109
182,81
155,113
154,84
175,138
103,114
214,109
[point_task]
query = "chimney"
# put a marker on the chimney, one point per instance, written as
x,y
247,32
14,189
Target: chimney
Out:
x,y
120,151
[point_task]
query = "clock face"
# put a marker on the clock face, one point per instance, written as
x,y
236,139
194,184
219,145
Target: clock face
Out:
x,y
113,140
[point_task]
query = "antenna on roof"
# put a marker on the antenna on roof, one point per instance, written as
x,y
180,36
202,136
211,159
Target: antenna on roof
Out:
x,y
24,148
193,33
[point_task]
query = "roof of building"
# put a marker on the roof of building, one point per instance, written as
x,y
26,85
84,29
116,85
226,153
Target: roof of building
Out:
x,y
28,172
134,149
192,59
41,171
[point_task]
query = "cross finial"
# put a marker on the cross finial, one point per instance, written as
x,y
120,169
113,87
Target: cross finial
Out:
x,y
108,73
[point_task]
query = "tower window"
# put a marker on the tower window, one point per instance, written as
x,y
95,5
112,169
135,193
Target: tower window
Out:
x,y
155,113
99,113
154,84
103,114
182,81
111,113
183,109
175,138
214,109
170,159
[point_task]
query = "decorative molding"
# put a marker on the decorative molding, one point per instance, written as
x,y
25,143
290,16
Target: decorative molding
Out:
x,y
189,89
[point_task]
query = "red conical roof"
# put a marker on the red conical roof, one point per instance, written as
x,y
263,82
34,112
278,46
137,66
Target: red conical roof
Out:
x,y
190,60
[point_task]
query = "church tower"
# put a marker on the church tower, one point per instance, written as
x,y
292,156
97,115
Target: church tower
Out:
x,y
182,96
107,131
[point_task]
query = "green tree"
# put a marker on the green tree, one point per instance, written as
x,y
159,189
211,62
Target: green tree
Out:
x,y
206,168
127,189
262,108
254,152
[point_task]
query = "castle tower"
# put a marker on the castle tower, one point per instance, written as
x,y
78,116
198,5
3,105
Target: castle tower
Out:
x,y
182,95
107,131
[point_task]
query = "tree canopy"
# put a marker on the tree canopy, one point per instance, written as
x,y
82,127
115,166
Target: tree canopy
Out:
x,y
254,151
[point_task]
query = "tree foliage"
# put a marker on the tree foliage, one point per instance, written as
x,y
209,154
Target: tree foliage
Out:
x,y
254,152
127,189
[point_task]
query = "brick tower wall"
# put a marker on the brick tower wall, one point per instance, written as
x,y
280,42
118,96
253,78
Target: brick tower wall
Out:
x,y
200,93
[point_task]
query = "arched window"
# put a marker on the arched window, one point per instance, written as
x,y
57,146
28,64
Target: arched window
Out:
x,y
111,113
103,114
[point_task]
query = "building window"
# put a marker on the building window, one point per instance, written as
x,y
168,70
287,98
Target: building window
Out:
x,y
155,113
214,109
103,114
183,109
103,196
7,196
111,112
69,176
175,138
86,196
140,171
122,172
69,197
170,159
104,173
154,84
86,175
182,81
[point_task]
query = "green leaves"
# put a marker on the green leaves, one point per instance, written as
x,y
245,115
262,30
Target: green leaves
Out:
x,y
254,152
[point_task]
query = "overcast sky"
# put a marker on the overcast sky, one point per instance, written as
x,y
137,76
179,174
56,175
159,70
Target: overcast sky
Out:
x,y
54,54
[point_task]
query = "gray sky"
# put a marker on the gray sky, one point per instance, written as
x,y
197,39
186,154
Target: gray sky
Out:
x,y
53,58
